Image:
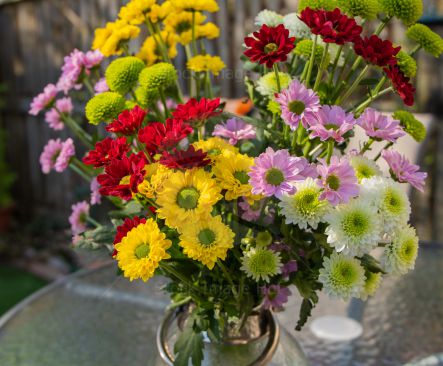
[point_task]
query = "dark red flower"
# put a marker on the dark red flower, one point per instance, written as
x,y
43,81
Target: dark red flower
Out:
x,y
125,228
333,26
159,136
122,177
105,151
377,51
269,45
197,112
185,159
402,84
128,122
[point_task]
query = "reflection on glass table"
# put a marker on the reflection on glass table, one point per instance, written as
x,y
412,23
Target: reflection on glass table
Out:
x,y
96,318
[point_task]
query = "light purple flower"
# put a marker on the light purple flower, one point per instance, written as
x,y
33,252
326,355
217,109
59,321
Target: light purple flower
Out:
x,y
96,197
78,218
53,118
298,104
92,59
235,130
71,71
338,180
280,247
288,268
252,212
404,170
275,172
331,122
57,155
43,100
275,296
379,126
101,86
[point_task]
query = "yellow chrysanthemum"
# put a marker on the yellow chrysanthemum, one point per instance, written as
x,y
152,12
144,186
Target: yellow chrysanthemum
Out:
x,y
231,171
208,30
214,147
187,197
207,240
204,63
155,176
110,39
158,13
196,5
135,11
141,250
150,51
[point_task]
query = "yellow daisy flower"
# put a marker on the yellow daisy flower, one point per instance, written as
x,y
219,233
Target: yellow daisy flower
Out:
x,y
155,176
158,13
187,197
204,63
196,5
150,52
208,30
135,11
141,250
207,240
110,39
231,171
214,147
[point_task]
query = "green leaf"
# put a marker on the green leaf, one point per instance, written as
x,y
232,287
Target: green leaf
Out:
x,y
189,346
371,264
305,313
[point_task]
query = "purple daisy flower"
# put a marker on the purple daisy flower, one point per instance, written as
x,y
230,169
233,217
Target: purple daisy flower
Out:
x,y
338,181
92,59
53,118
235,129
43,100
298,104
288,268
404,170
252,212
275,173
96,197
57,155
78,218
275,296
331,122
280,247
71,71
101,86
379,126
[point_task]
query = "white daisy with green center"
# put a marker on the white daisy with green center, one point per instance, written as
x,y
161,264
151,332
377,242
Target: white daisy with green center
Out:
x,y
304,207
399,256
354,227
342,276
364,167
371,285
261,264
390,200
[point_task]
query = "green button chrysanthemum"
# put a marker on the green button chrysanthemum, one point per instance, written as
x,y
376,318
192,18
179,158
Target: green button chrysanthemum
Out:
x,y
146,96
158,76
367,9
122,74
407,64
317,4
304,49
411,125
274,107
267,84
104,107
408,11
426,38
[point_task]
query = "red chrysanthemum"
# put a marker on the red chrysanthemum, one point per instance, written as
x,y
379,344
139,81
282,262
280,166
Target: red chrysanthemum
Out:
x,y
122,177
106,151
187,159
377,51
269,45
333,26
402,84
125,228
197,112
128,122
159,136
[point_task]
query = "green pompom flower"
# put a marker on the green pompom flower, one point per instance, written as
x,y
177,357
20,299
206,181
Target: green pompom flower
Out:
x,y
261,264
274,107
304,49
372,283
408,11
317,4
146,96
104,107
267,84
407,64
367,9
158,76
411,125
122,74
430,41
263,239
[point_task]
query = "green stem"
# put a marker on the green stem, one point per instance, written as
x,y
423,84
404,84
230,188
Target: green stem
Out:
x,y
387,146
92,221
173,272
382,25
229,278
311,62
330,151
415,50
334,66
77,130
322,67
366,103
277,77
194,41
354,85
366,146
79,171
165,106
88,85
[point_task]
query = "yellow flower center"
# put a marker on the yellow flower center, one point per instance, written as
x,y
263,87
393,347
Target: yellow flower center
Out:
x,y
206,237
296,107
187,198
125,180
271,47
142,251
242,177
275,176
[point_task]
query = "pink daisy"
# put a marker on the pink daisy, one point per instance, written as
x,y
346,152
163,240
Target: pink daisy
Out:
x,y
92,59
275,172
338,180
298,104
235,130
57,155
404,170
379,126
78,218
53,118
101,86
331,122
275,296
252,212
71,72
96,197
43,100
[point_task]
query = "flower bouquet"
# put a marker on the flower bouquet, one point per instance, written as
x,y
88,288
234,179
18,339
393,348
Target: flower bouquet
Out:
x,y
242,211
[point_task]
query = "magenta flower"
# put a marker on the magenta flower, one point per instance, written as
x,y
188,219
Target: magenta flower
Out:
x,y
275,173
57,155
288,268
96,197
332,122
298,104
92,59
235,130
101,86
53,118
71,72
379,126
251,212
78,218
43,100
275,296
404,170
338,180
280,247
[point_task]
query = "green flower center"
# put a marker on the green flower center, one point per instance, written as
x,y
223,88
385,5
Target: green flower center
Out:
x,y
345,274
275,177
214,152
187,198
272,294
271,47
242,177
355,224
142,251
408,251
364,171
206,237
393,202
333,182
331,126
263,262
306,201
183,27
296,107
